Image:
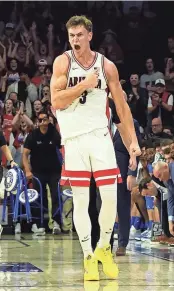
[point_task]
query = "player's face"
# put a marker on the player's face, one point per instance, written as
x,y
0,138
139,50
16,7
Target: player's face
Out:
x,y
79,38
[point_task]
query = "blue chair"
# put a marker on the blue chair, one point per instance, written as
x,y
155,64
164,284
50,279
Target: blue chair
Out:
x,y
16,183
36,204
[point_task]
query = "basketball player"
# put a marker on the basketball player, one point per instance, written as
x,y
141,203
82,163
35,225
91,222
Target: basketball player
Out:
x,y
79,94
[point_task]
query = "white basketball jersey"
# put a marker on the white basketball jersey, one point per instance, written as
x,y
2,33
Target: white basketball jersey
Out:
x,y
88,112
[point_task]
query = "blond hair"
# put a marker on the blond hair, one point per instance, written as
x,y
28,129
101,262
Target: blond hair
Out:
x,y
79,20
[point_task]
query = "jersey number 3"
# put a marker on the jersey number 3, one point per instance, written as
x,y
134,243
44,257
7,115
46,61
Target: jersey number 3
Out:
x,y
83,97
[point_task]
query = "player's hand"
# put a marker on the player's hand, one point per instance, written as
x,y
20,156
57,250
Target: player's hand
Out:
x,y
132,163
91,80
134,150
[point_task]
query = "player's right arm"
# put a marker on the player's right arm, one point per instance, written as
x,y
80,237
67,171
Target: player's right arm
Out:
x,y
62,97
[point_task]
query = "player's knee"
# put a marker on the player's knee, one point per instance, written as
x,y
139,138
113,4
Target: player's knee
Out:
x,y
80,197
108,192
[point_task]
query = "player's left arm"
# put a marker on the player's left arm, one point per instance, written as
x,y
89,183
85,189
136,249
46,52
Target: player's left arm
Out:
x,y
122,107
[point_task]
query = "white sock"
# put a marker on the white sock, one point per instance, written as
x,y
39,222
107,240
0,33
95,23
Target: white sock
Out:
x,y
82,220
107,214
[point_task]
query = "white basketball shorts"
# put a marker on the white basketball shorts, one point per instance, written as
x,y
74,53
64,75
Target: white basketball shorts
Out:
x,y
88,154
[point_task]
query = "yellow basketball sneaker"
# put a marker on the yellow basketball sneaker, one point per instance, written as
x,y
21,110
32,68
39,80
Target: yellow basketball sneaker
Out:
x,y
104,255
91,269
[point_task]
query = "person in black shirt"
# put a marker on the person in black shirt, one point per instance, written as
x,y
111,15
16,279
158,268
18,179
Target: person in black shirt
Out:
x,y
43,145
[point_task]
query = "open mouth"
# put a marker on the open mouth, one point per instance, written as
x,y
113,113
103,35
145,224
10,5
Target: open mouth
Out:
x,y
77,47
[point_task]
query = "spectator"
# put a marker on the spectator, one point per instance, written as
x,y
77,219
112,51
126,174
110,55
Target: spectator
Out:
x,y
7,118
161,103
24,88
111,49
13,71
47,74
43,80
42,52
9,33
21,126
168,155
46,98
165,144
157,146
17,103
22,52
137,100
39,78
148,80
157,129
37,108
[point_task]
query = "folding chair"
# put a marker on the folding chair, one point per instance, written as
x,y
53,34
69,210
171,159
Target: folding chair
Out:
x,y
23,196
15,183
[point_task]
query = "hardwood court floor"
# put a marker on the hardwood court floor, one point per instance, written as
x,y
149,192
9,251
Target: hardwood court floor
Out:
x,y
55,263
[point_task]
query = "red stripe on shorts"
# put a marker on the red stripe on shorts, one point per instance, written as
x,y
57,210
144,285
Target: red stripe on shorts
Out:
x,y
76,174
104,182
105,173
78,183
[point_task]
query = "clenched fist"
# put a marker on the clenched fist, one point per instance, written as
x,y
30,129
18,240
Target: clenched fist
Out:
x,y
91,80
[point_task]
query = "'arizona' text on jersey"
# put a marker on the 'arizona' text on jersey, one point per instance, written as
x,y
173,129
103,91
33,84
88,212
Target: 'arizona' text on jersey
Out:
x,y
89,111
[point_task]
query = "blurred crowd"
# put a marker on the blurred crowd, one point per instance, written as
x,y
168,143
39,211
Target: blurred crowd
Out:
x,y
135,35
